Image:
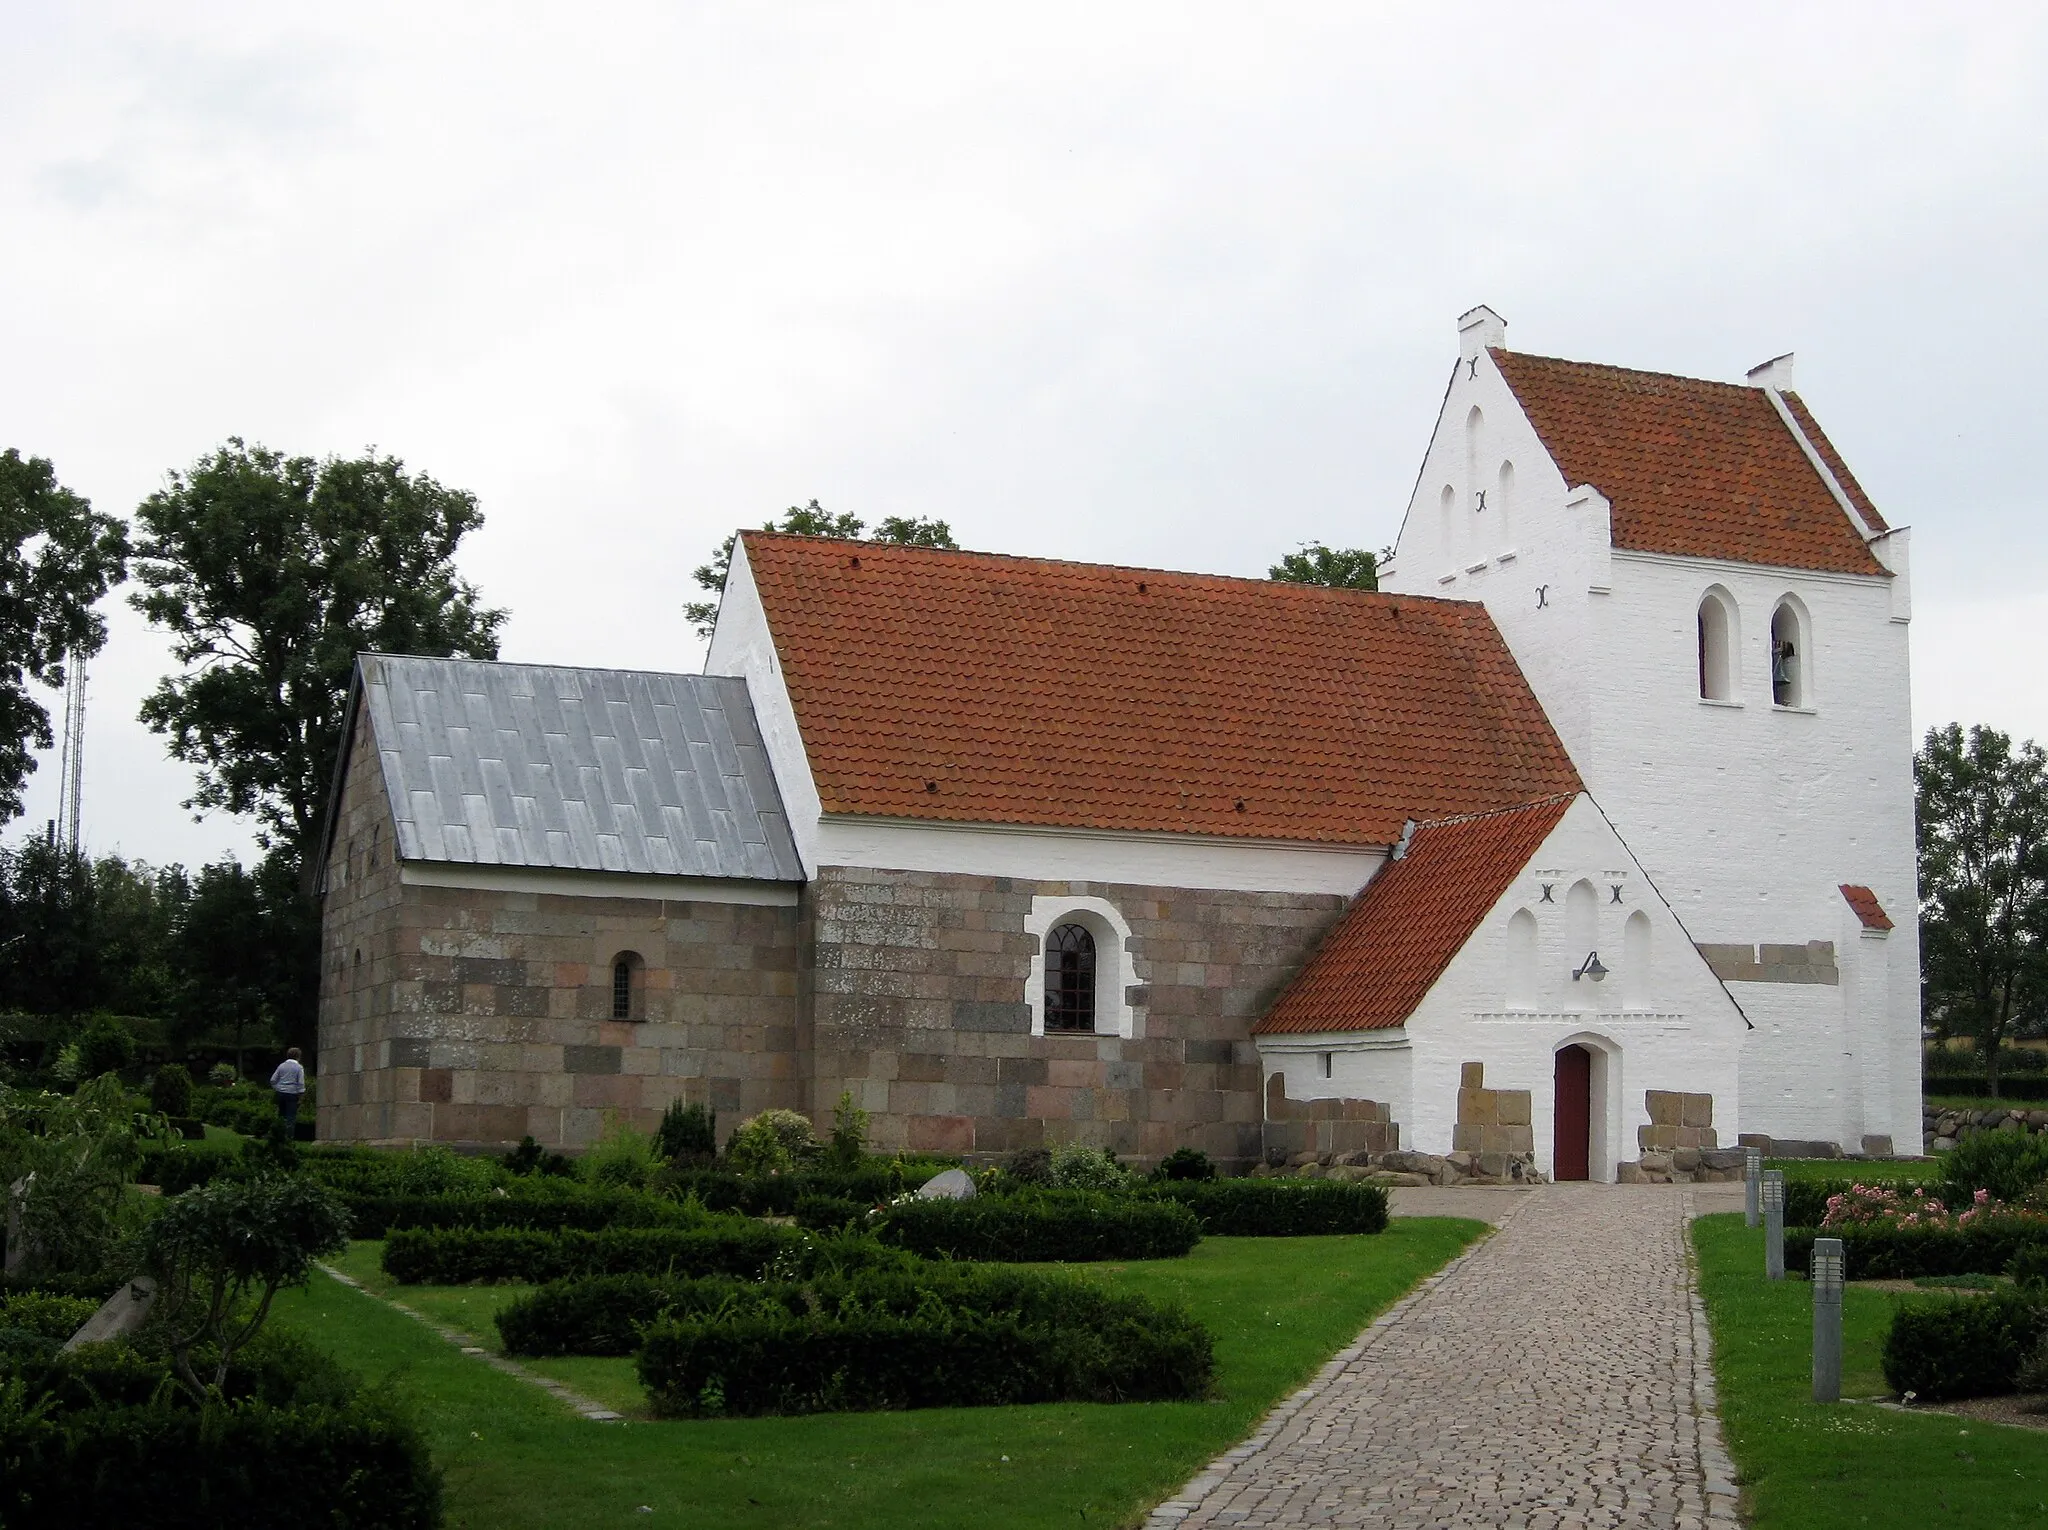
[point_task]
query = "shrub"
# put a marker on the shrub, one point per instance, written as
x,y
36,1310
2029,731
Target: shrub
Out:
x,y
2029,1267
45,1314
2008,1164
1071,1226
1185,1163
918,1339
222,1075
170,1091
375,1216
687,1134
219,1254
1881,1252
107,1046
776,1195
83,1150
828,1213
774,1142
1278,1208
621,1157
849,1131
1806,1200
455,1256
530,1158
1964,1346
1075,1167
1030,1166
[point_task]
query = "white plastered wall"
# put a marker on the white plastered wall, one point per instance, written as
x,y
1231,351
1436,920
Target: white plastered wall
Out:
x,y
1674,1028
1749,816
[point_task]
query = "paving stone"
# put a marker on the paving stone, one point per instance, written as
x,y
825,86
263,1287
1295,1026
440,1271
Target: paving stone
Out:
x,y
1557,1377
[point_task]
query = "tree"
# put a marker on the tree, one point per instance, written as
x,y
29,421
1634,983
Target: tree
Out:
x,y
78,1153
57,558
1983,832
1341,568
271,573
812,520
221,1252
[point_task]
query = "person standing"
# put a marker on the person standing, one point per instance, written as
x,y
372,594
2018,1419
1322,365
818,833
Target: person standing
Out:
x,y
289,1084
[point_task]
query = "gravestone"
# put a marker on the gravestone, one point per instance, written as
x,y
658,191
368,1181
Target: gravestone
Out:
x,y
119,1315
953,1185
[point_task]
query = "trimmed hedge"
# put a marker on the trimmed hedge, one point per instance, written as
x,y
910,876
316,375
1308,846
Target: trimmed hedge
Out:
x,y
2023,1087
376,1216
967,1339
454,1256
1963,1347
1278,1208
1065,1225
162,1466
776,1195
1869,1252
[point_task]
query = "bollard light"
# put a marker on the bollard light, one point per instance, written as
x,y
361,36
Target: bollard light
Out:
x,y
1752,1180
1774,1224
1827,1319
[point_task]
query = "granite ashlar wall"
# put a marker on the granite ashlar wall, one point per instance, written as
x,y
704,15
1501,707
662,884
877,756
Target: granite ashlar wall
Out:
x,y
476,1017
914,1002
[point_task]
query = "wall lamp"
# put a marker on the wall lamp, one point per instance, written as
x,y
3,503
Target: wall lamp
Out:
x,y
1590,968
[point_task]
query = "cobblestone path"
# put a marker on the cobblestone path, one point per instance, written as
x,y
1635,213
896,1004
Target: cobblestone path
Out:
x,y
1557,1377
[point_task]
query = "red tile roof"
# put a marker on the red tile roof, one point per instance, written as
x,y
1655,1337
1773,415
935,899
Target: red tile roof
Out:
x,y
1397,937
973,688
1867,908
1700,469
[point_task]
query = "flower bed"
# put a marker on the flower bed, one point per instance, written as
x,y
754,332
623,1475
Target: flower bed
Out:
x,y
1049,1225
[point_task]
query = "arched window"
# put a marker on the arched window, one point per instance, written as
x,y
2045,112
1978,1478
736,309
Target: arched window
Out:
x,y
1637,988
1791,653
1522,985
1447,521
625,984
1070,979
1717,646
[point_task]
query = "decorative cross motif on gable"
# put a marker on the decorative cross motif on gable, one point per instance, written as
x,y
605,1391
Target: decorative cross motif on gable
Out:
x,y
1480,503
1617,894
1548,888
1542,596
1472,367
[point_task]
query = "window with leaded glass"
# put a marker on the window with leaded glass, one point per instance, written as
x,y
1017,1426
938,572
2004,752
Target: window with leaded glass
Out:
x,y
1070,979
622,988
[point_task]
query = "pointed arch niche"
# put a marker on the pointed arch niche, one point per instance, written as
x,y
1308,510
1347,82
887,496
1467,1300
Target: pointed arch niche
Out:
x,y
1719,636
1524,984
1637,987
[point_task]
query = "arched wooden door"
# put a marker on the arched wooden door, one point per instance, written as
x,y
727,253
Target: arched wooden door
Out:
x,y
1570,1155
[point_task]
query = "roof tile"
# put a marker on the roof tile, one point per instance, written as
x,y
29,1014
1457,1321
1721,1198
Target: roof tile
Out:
x,y
1397,937
971,687
1700,469
1867,908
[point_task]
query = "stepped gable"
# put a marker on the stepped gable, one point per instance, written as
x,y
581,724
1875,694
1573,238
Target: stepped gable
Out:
x,y
1397,937
975,688
1700,469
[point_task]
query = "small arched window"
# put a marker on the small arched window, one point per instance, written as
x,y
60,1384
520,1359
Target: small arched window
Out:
x,y
625,984
1717,647
1503,502
1522,979
1790,655
1070,979
1475,423
1447,521
1636,986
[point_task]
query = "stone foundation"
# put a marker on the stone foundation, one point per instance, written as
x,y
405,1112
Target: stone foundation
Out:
x,y
1324,1130
1401,1168
1678,1146
1493,1125
1943,1129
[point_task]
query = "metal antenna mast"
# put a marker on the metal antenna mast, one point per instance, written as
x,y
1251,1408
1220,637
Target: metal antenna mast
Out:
x,y
70,796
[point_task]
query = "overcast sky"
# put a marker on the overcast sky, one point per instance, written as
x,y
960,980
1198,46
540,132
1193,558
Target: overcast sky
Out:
x,y
1170,285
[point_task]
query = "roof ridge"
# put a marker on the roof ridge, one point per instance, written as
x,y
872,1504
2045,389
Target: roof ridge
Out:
x,y
1499,812
1609,366
1311,591
587,669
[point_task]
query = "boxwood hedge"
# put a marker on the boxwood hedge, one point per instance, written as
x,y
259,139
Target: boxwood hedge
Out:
x,y
376,1216
1278,1208
453,1256
1069,1225
1970,1346
1872,1252
906,1341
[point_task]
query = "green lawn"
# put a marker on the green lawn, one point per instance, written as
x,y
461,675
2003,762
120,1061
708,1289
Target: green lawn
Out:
x,y
1279,1307
1805,1466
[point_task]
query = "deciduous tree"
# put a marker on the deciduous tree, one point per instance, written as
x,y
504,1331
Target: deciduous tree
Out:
x,y
1983,831
58,556
812,520
1341,568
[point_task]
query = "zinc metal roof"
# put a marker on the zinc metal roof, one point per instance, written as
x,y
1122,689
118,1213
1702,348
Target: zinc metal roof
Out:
x,y
494,764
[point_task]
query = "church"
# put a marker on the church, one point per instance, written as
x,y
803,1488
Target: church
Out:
x,y
1583,845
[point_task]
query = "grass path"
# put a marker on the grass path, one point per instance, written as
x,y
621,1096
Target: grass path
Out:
x,y
1278,1307
1844,1466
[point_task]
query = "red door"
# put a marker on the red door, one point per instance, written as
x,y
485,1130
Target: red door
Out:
x,y
1569,1153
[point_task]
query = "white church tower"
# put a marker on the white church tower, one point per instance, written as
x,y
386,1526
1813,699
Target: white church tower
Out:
x,y
1715,616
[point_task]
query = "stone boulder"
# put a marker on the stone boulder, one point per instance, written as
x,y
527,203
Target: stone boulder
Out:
x,y
953,1185
1391,1180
